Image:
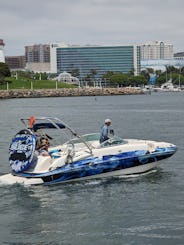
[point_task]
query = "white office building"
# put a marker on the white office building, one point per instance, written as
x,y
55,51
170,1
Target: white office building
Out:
x,y
156,50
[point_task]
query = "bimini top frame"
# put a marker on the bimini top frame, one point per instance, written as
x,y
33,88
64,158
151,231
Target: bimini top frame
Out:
x,y
51,123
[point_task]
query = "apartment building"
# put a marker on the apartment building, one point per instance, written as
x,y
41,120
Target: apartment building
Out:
x,y
156,50
38,57
15,62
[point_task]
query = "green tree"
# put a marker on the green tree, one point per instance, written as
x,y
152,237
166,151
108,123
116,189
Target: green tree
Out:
x,y
93,73
145,74
137,80
88,77
182,70
171,69
4,72
107,75
120,79
161,79
75,72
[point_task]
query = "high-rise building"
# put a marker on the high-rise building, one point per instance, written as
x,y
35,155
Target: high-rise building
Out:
x,y
156,50
38,53
124,59
2,57
179,56
38,57
15,62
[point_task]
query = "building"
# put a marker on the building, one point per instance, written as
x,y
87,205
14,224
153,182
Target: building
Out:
x,y
156,50
161,64
124,59
38,57
66,78
2,57
179,56
15,62
38,53
157,64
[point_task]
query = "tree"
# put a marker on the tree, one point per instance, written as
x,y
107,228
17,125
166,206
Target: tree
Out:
x,y
182,70
120,79
75,72
93,73
145,74
161,79
137,80
171,69
108,75
88,77
4,72
24,74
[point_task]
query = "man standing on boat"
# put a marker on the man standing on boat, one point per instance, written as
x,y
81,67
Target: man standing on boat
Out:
x,y
104,131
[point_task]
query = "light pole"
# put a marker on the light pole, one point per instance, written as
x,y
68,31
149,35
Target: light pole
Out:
x,y
166,73
31,85
179,77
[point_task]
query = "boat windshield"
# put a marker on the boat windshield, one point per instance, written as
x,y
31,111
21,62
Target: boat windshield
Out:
x,y
87,138
113,141
93,140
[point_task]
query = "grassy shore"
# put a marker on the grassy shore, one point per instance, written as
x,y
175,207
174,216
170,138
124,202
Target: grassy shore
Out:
x,y
23,83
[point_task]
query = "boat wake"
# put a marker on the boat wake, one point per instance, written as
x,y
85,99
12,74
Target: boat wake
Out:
x,y
137,175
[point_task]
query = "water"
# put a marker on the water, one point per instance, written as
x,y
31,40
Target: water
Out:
x,y
146,209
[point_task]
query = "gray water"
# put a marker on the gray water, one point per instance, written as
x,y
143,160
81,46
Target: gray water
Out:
x,y
147,209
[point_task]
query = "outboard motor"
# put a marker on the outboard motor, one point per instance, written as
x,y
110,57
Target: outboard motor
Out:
x,y
21,151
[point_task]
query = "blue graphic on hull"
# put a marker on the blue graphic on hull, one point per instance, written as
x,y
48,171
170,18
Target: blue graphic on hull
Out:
x,y
95,166
21,151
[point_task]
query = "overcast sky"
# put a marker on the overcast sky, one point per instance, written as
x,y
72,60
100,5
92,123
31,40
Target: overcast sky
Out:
x,y
99,22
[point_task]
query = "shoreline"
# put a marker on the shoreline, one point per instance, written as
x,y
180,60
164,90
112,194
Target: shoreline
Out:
x,y
66,92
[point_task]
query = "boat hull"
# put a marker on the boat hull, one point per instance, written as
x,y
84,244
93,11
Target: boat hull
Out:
x,y
90,170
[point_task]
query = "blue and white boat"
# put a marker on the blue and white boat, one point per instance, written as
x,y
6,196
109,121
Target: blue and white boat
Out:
x,y
78,157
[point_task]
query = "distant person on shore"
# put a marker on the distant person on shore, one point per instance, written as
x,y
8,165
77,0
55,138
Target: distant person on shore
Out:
x,y
104,131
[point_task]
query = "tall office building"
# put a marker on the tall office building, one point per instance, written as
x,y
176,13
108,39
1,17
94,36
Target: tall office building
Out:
x,y
38,57
156,50
102,59
37,53
2,57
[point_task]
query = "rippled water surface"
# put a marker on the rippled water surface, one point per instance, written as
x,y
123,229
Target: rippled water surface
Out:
x,y
145,209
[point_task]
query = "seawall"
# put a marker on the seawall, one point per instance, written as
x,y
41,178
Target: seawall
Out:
x,y
65,92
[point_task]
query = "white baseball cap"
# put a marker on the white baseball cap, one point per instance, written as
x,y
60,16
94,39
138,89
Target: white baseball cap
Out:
x,y
107,120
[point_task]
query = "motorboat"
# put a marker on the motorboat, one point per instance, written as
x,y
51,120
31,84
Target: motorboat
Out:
x,y
74,157
168,87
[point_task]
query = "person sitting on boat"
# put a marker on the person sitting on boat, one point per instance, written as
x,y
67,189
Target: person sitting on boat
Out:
x,y
104,131
43,147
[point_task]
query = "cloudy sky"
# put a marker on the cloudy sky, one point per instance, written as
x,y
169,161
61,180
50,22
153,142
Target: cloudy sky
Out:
x,y
99,22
